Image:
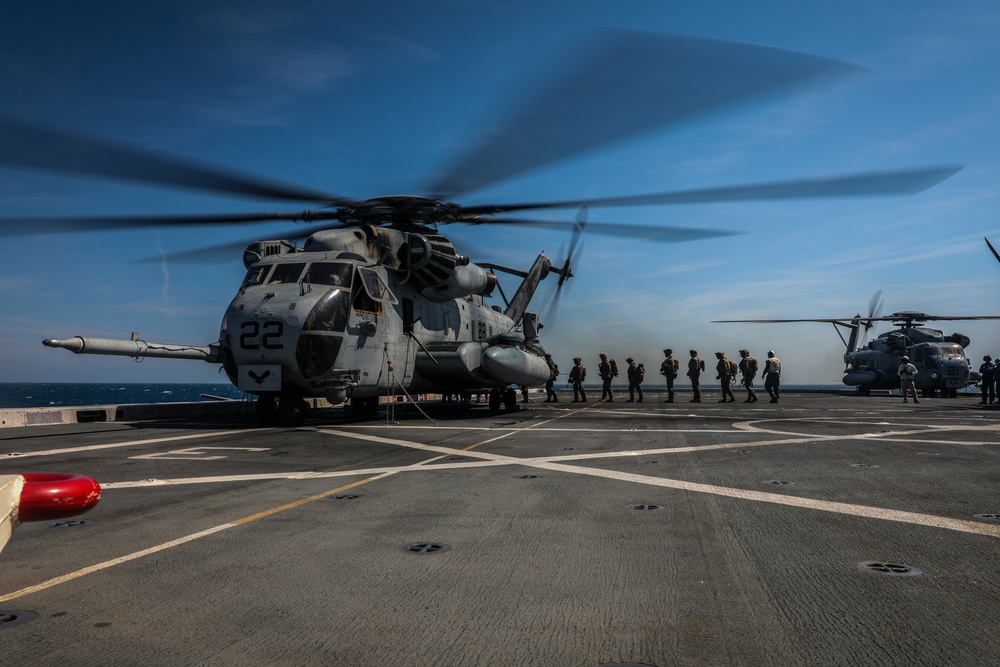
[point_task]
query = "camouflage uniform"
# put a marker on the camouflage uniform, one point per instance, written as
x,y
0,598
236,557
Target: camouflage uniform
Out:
x,y
748,367
636,374
576,377
722,368
695,367
988,372
668,369
604,371
550,392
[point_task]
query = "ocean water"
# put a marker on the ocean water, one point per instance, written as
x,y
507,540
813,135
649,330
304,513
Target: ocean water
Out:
x,y
58,394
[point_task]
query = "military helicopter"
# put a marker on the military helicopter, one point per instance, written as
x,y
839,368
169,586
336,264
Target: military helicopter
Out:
x,y
377,301
942,367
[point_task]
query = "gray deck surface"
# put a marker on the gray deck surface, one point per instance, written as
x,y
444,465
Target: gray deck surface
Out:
x,y
217,543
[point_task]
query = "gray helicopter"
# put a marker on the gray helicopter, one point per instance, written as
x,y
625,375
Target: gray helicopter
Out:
x,y
942,366
377,301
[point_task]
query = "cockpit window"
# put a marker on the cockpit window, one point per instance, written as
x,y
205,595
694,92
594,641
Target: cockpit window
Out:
x,y
255,276
367,295
329,273
285,273
329,313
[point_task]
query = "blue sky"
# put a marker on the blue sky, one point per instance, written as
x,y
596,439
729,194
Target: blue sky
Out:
x,y
367,99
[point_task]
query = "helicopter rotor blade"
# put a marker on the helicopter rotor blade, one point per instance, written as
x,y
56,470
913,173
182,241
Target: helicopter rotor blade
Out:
x,y
216,254
874,310
900,182
31,146
665,79
992,249
664,234
42,225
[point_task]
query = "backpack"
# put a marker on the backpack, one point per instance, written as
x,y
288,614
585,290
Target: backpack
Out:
x,y
614,368
731,367
752,366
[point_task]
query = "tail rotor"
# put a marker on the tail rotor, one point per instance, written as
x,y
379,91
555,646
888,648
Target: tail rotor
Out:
x,y
566,272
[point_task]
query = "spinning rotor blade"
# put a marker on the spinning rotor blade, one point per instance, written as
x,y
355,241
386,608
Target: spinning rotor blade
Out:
x,y
34,147
29,226
901,182
629,83
665,234
899,317
992,249
567,268
874,310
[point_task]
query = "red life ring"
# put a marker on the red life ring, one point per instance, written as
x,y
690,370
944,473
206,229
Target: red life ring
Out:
x,y
52,495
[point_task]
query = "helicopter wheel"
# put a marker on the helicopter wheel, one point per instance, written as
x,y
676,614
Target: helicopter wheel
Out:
x,y
291,410
494,400
510,400
266,411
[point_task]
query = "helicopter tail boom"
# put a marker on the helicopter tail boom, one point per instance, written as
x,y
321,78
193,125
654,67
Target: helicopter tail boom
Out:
x,y
137,348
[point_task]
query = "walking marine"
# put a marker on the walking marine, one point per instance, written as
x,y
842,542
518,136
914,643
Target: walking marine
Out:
x,y
668,369
987,371
550,392
607,370
748,368
636,374
576,377
772,376
726,374
695,367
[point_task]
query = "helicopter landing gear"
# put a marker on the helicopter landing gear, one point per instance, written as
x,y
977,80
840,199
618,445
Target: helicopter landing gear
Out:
x,y
494,401
266,410
292,409
507,399
510,399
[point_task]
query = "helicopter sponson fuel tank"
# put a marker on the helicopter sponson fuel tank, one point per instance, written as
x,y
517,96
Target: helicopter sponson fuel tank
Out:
x,y
500,360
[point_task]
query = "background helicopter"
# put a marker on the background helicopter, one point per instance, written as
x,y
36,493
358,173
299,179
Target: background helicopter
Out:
x,y
942,366
377,300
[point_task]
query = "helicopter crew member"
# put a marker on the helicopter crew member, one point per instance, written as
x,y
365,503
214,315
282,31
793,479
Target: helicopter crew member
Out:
x,y
695,367
636,374
726,374
748,368
988,372
576,377
772,376
907,372
550,392
668,369
607,370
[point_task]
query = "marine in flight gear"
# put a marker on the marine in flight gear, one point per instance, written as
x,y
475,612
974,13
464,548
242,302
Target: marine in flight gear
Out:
x,y
907,372
772,376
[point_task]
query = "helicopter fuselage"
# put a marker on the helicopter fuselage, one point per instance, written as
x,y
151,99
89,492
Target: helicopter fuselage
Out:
x,y
940,361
